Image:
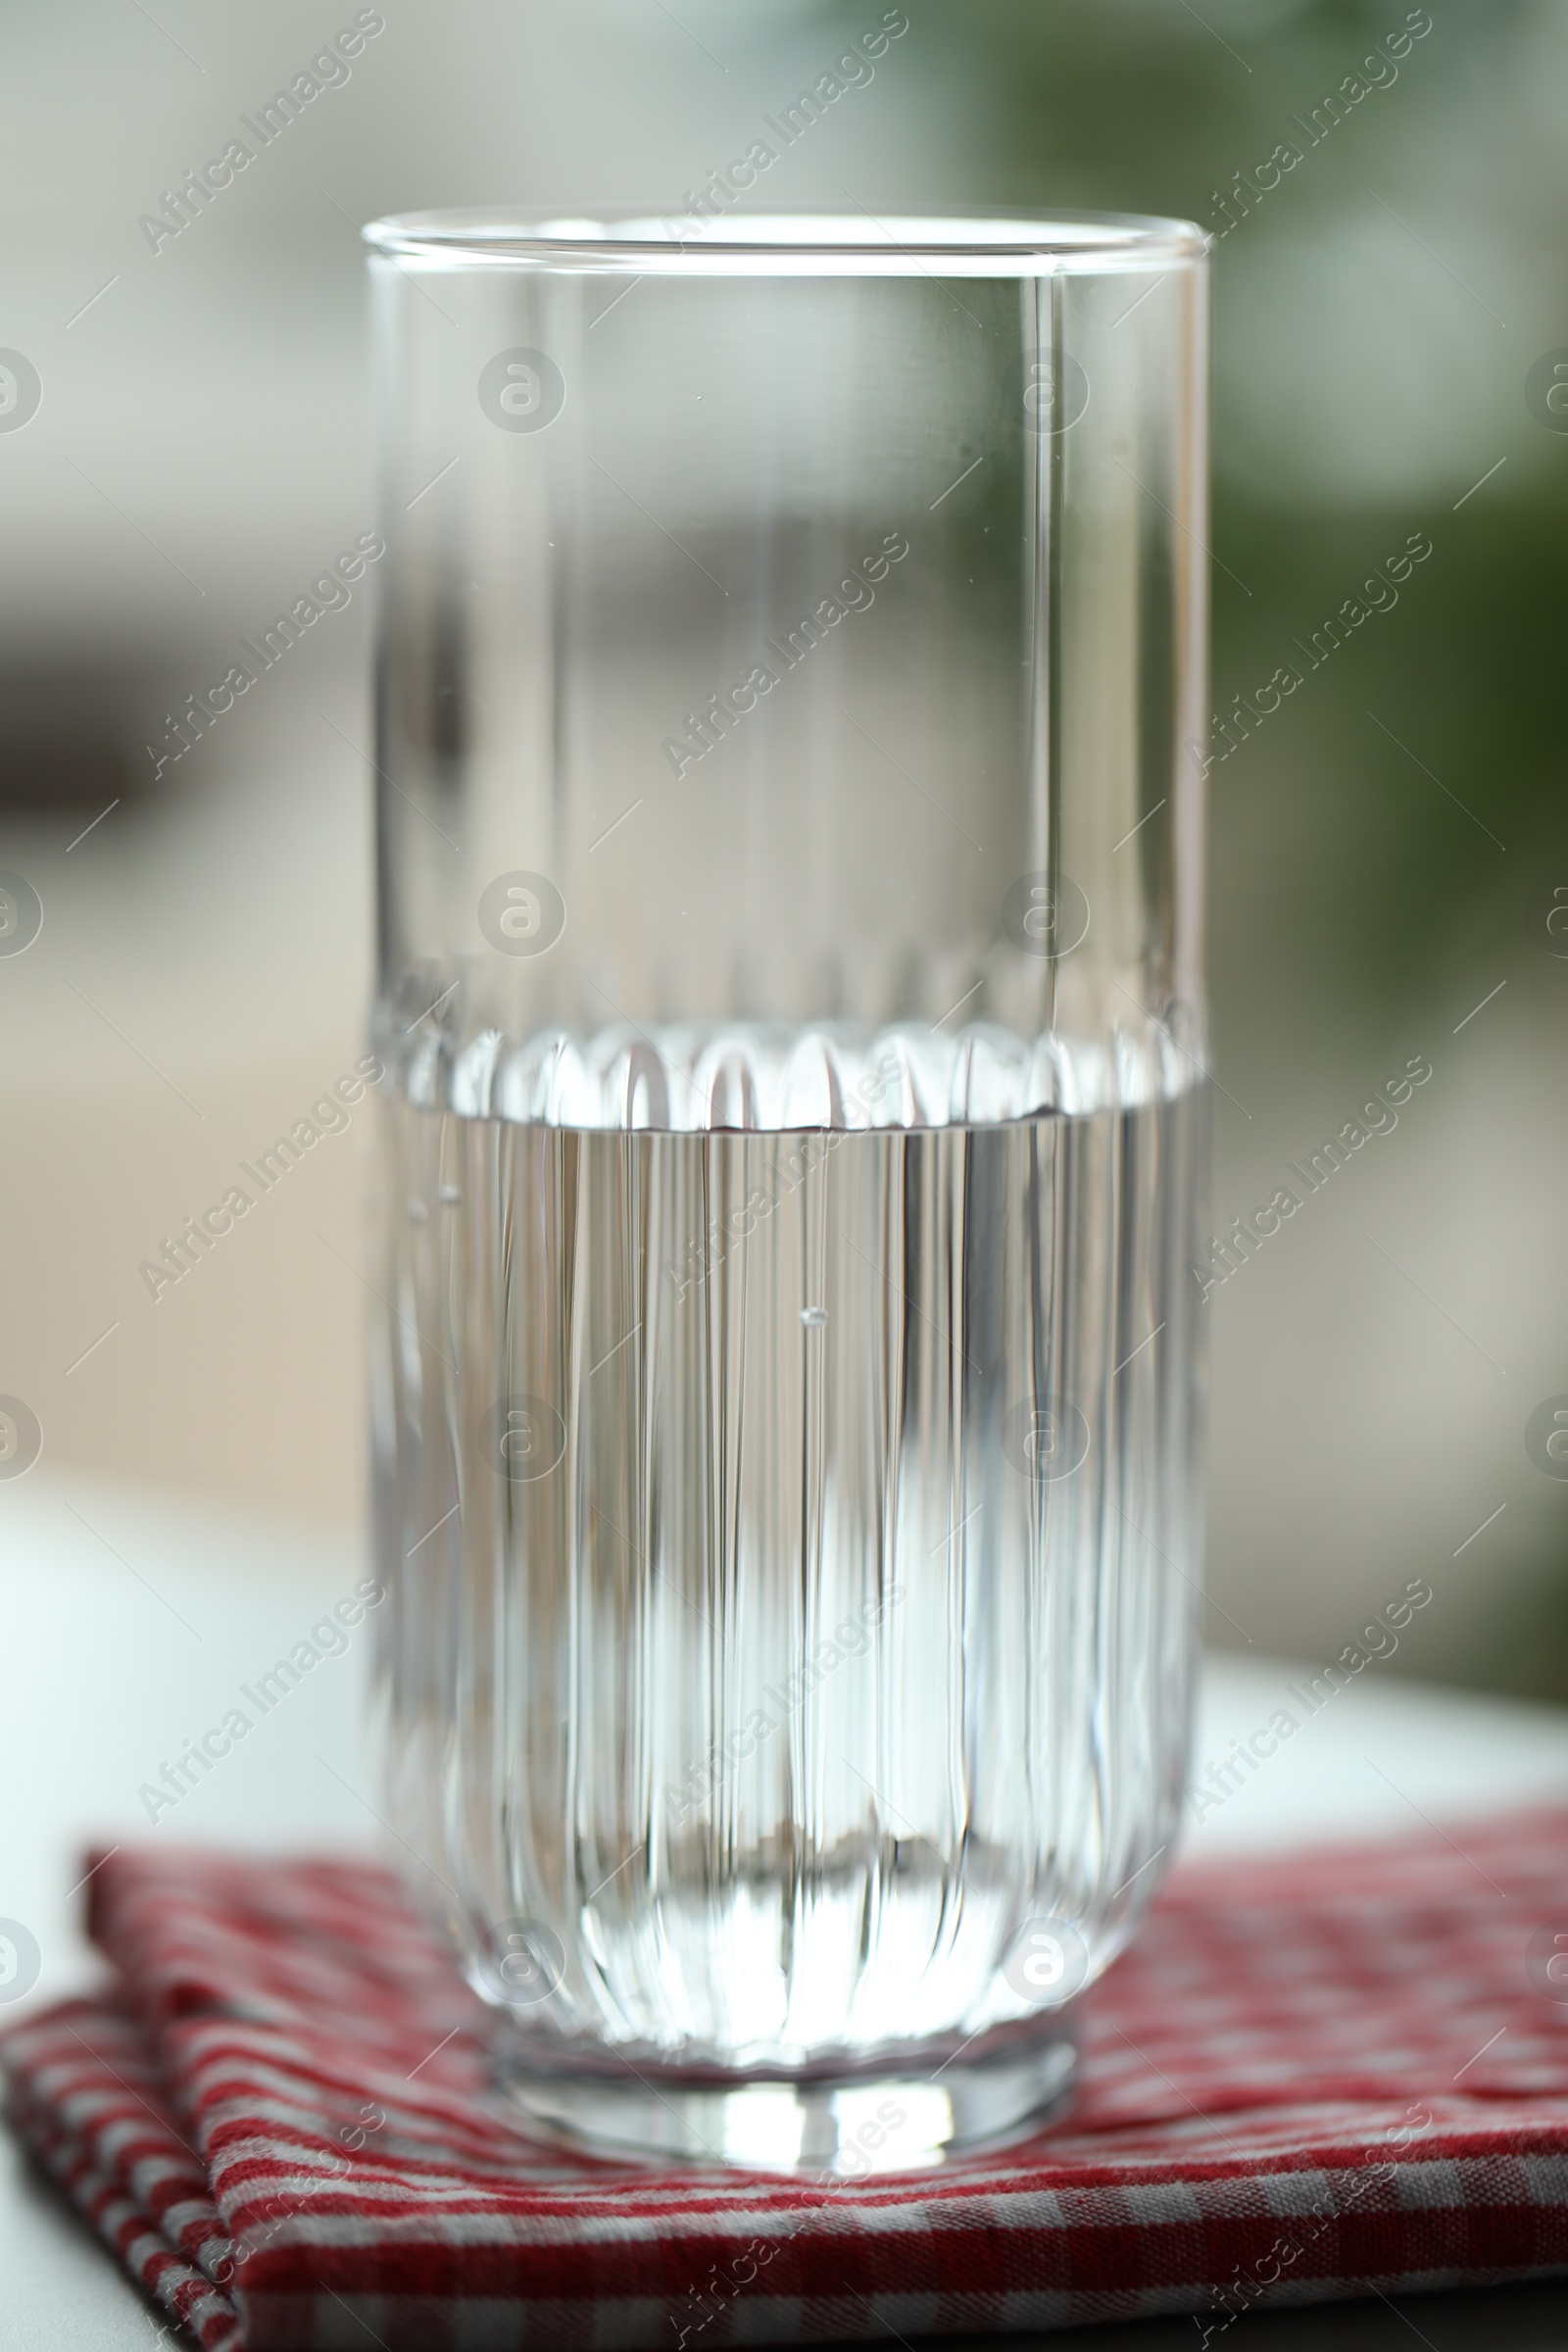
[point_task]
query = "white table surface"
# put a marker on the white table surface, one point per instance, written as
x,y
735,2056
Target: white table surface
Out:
x,y
129,1623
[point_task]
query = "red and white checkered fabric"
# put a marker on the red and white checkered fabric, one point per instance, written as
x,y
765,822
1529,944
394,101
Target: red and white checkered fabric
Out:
x,y
1308,2078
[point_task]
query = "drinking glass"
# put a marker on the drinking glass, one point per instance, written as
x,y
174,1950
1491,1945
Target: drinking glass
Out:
x,y
788,1401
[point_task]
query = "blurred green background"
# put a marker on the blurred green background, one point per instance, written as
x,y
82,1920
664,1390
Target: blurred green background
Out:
x,y
1379,302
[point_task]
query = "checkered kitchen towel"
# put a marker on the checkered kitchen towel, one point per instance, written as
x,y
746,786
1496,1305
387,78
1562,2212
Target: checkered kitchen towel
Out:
x,y
1307,2078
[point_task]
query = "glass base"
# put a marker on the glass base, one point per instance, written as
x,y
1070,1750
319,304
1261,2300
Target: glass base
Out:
x,y
846,2127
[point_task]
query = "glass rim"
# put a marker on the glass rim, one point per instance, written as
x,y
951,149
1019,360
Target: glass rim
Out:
x,y
957,243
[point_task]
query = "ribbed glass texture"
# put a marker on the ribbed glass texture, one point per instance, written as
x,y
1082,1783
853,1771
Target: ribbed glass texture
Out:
x,y
789,1382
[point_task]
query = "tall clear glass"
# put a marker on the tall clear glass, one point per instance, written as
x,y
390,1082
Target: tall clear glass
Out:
x,y
788,1403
